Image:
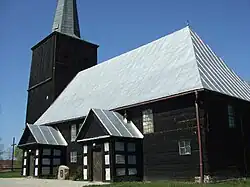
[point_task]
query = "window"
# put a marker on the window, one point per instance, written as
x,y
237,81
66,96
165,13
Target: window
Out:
x,y
131,147
57,152
73,157
119,146
120,171
119,159
231,117
46,161
132,171
148,122
46,151
131,159
184,147
73,132
56,161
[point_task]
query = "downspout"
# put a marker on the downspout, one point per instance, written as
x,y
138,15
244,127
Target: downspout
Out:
x,y
199,136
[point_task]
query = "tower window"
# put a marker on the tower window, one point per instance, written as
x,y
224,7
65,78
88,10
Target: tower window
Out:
x,y
231,116
147,121
73,132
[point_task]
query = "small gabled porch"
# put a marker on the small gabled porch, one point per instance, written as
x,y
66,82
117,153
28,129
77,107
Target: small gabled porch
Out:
x,y
112,147
43,150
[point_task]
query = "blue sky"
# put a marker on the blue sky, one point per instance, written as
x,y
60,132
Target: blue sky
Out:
x,y
117,26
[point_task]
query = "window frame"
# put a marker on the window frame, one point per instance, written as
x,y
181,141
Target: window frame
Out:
x,y
231,116
73,136
186,146
73,157
148,121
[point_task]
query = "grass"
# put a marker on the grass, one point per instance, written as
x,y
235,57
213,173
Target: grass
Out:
x,y
10,174
179,184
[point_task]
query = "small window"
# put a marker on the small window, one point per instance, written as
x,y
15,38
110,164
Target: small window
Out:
x,y
231,117
148,122
131,159
131,147
120,171
119,159
73,132
57,152
184,147
73,157
119,146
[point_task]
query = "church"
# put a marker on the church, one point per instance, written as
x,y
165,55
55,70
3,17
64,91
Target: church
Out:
x,y
170,109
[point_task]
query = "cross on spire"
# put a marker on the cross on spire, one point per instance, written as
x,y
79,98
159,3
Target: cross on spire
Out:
x,y
66,18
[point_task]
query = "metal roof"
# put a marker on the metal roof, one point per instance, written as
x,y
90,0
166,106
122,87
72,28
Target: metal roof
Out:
x,y
115,124
177,63
66,18
47,135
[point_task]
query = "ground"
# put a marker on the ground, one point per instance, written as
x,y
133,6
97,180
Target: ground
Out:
x,y
29,182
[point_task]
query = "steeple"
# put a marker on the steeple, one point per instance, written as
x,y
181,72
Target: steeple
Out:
x,y
66,18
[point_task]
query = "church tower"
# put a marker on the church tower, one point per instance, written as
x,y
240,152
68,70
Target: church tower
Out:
x,y
57,59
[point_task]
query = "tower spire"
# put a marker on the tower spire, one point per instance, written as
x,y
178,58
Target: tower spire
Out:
x,y
66,18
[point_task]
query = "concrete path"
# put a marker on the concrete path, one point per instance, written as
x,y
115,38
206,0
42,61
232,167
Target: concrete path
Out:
x,y
26,182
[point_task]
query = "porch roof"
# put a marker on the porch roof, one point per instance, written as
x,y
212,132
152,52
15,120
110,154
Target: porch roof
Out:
x,y
46,135
114,123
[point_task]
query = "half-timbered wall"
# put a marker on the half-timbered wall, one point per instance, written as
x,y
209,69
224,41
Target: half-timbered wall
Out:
x,y
65,129
121,159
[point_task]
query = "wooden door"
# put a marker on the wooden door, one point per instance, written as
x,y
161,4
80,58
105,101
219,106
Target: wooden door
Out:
x,y
31,165
97,165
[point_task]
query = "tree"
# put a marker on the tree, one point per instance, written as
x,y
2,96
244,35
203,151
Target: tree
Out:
x,y
1,150
18,154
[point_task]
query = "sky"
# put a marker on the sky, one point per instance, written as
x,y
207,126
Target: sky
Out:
x,y
117,27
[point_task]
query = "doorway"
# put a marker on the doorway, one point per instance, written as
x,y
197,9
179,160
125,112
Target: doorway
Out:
x,y
97,165
31,165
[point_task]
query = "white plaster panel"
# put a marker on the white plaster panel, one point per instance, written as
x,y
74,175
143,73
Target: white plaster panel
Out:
x,y
37,152
25,153
85,149
36,172
106,146
106,159
85,174
85,161
36,161
24,171
24,162
107,174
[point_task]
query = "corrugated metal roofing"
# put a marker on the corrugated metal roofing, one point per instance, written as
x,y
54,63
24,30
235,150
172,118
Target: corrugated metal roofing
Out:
x,y
66,18
47,135
177,63
115,125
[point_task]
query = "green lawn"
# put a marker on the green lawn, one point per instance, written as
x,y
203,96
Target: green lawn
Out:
x,y
179,184
10,174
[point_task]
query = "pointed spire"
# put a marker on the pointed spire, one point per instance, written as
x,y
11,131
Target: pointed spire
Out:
x,y
66,18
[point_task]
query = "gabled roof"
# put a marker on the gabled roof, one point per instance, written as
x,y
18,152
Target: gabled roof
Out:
x,y
66,18
177,63
113,123
45,135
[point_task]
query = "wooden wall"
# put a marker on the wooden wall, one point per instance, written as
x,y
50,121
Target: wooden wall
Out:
x,y
41,82
227,148
72,56
174,120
